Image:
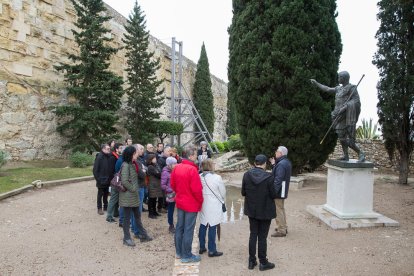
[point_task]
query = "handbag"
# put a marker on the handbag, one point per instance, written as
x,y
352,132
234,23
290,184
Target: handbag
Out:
x,y
223,205
116,182
170,197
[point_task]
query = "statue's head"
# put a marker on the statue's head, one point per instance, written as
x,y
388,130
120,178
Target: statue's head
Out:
x,y
343,77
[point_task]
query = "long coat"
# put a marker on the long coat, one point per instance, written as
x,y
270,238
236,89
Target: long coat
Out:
x,y
211,211
154,187
129,179
103,171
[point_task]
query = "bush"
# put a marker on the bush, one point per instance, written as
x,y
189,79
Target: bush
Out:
x,y
218,144
81,160
4,157
226,146
235,142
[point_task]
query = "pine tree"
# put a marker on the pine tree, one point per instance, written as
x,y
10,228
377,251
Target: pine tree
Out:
x,y
275,48
89,121
395,61
202,93
143,95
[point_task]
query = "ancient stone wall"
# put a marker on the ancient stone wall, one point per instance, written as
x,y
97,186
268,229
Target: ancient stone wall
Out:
x,y
35,35
375,153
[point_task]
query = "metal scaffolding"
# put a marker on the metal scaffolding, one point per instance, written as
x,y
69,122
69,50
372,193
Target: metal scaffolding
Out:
x,y
182,107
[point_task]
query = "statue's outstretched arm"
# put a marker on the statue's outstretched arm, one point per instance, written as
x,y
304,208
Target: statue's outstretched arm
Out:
x,y
323,87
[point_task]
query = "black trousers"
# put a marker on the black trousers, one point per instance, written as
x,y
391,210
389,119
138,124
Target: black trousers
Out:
x,y
103,194
259,229
137,215
152,203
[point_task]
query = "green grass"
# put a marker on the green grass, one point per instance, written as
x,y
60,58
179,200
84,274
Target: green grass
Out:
x,y
14,178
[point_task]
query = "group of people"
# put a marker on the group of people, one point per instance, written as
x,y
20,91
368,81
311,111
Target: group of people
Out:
x,y
148,177
164,181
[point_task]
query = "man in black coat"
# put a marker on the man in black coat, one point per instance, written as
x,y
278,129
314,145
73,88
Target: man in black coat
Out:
x,y
103,173
259,192
282,170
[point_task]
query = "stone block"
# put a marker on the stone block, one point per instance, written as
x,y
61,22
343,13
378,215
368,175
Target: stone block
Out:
x,y
22,69
350,191
17,5
8,131
16,88
4,54
13,118
296,182
29,154
337,223
21,144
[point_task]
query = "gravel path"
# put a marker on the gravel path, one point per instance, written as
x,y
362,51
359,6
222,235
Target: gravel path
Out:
x,y
56,231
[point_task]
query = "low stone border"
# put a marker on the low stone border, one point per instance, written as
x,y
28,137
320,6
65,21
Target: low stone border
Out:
x,y
46,184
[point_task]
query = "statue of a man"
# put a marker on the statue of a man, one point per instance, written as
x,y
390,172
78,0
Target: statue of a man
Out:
x,y
346,113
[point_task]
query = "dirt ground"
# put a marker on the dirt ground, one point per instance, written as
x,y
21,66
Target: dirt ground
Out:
x,y
57,231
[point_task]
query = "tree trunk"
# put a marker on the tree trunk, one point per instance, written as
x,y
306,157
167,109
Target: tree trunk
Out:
x,y
404,168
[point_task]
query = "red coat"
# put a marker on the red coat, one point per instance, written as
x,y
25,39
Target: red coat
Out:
x,y
186,183
189,162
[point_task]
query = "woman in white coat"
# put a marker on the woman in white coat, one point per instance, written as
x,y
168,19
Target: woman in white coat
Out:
x,y
211,215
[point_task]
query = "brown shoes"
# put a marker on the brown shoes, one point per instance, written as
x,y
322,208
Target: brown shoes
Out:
x,y
100,212
278,234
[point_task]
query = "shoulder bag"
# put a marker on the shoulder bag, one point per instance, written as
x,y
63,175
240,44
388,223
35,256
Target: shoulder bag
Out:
x,y
223,205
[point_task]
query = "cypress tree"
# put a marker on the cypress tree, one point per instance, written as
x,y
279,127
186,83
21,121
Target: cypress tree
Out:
x,y
202,93
395,61
144,98
275,48
89,121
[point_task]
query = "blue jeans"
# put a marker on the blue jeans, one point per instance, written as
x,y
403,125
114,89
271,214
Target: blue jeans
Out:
x,y
141,197
184,233
171,207
211,237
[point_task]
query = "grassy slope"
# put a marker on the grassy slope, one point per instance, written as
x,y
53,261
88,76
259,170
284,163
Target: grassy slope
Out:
x,y
14,178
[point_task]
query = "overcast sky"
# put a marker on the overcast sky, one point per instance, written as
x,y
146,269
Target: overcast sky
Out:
x,y
195,21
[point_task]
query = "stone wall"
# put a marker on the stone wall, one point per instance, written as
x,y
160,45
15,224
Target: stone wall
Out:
x,y
35,35
375,153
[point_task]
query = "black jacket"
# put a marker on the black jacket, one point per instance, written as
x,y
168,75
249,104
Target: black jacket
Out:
x,y
162,162
258,188
282,171
103,170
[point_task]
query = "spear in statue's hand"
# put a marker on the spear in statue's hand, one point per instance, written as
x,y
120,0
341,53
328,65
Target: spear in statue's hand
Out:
x,y
335,121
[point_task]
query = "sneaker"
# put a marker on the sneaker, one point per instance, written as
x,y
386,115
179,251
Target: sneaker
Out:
x,y
192,259
152,216
100,212
146,239
110,220
266,266
215,254
129,242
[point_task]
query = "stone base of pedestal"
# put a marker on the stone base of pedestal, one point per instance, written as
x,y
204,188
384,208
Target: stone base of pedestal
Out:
x,y
337,223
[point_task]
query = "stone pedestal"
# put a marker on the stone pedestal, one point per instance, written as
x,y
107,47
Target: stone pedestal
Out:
x,y
350,189
349,198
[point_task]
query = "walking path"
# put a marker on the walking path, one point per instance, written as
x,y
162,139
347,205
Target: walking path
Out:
x,y
56,231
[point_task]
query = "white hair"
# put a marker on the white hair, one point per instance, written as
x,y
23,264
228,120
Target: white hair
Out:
x,y
283,150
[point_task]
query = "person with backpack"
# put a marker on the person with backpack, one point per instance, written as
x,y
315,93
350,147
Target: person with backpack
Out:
x,y
103,174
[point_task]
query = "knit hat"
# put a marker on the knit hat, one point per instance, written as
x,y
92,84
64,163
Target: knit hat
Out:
x,y
171,161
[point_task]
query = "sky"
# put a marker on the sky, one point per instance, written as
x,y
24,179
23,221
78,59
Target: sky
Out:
x,y
196,21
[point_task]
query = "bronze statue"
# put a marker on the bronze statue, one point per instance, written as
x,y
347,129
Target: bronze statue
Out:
x,y
345,114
